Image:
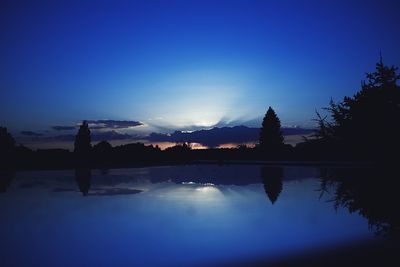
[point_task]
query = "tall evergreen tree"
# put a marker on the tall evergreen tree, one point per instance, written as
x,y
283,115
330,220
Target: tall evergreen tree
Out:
x,y
83,139
270,134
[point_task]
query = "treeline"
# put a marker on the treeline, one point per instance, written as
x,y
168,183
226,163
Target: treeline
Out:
x,y
103,155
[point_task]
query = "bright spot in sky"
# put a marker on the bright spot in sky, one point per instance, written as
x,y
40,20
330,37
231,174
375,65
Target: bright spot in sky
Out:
x,y
197,98
202,106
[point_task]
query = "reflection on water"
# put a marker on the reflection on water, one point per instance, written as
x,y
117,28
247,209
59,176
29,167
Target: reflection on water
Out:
x,y
187,215
272,180
83,176
370,192
5,180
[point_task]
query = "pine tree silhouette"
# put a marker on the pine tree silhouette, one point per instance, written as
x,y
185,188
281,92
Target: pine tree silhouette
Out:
x,y
270,134
83,139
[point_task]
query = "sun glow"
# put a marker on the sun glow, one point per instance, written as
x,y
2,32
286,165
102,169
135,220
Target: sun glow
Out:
x,y
201,98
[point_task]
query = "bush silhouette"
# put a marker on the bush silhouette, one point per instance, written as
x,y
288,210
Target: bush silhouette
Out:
x,y
103,147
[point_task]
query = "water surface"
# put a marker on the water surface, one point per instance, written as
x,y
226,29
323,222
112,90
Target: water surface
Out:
x,y
169,216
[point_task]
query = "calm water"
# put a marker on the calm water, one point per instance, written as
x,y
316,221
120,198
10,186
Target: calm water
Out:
x,y
169,216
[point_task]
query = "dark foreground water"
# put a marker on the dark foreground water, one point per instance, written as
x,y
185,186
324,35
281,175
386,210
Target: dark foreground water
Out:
x,y
171,216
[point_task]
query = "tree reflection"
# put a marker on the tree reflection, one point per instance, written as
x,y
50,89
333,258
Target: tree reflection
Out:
x,y
83,178
5,180
371,192
272,180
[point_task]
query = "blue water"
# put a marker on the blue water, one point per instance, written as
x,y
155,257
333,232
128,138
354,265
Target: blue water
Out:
x,y
169,216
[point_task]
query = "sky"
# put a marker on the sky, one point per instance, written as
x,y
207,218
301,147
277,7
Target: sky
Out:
x,y
184,65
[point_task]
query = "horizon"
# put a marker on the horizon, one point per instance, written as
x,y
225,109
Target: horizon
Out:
x,y
227,137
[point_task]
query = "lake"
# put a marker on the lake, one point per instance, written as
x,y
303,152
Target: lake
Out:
x,y
193,215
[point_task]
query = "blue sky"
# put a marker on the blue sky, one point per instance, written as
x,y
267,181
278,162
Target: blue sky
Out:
x,y
185,64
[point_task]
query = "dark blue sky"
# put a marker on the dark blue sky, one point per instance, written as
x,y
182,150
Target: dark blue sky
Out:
x,y
186,64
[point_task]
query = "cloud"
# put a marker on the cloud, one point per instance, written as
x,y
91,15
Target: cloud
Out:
x,y
63,128
101,124
255,122
217,136
112,124
64,137
30,133
210,137
110,135
96,136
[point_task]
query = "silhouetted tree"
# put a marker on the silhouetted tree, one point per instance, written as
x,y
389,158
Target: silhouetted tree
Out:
x,y
7,142
102,147
179,152
82,139
7,148
369,122
272,181
103,153
270,134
